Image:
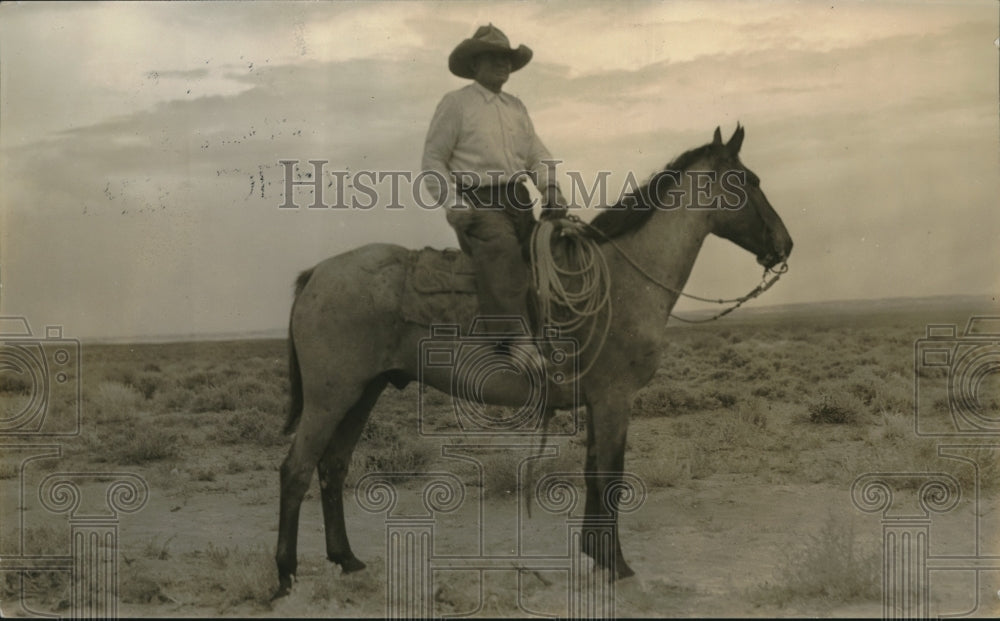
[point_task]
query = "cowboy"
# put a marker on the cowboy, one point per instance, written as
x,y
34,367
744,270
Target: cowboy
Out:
x,y
482,141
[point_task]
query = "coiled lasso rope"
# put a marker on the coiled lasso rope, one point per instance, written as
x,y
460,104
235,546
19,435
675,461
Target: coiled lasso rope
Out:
x,y
567,310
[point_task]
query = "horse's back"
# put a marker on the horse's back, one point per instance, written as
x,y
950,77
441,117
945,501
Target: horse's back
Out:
x,y
391,277
362,280
368,258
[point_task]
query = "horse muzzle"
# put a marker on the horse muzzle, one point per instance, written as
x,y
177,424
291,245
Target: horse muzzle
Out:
x,y
779,254
771,259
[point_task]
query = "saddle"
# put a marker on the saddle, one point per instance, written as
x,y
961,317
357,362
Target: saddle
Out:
x,y
440,287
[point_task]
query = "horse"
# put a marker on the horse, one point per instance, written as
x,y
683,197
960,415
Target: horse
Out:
x,y
348,342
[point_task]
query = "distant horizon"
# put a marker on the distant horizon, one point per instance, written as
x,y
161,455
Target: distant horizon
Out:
x,y
750,308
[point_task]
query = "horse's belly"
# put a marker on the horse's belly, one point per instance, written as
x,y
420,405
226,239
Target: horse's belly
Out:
x,y
475,371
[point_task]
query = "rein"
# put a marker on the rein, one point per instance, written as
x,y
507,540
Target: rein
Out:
x,y
594,294
765,282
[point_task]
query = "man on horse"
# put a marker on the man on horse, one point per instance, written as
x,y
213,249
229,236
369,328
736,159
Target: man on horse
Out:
x,y
483,141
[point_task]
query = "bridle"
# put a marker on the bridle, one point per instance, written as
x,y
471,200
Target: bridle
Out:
x,y
765,283
593,297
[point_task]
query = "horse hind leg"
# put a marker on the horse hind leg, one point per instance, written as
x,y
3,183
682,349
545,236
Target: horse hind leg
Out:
x,y
315,429
333,468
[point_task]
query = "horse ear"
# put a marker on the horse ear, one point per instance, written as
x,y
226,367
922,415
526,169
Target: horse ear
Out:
x,y
717,139
736,141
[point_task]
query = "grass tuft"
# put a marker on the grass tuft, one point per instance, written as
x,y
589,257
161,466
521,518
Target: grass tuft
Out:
x,y
136,443
831,565
250,426
116,402
836,408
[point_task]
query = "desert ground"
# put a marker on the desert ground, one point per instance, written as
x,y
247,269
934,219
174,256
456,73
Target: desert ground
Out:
x,y
747,443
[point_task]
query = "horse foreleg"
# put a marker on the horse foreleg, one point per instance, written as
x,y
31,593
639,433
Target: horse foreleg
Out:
x,y
607,430
333,468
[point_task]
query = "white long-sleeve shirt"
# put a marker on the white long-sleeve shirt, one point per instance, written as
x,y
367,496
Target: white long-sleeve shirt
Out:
x,y
488,134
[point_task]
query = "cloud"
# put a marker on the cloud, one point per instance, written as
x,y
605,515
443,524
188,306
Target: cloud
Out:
x,y
149,174
185,74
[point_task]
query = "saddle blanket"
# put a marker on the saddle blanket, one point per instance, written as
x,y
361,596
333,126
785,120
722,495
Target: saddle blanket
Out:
x,y
440,287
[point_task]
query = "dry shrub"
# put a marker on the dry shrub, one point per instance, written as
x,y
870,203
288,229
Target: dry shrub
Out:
x,y
213,398
671,400
115,402
139,588
894,447
385,448
14,385
831,565
500,474
136,443
241,575
835,408
174,399
881,390
50,588
250,427
686,461
9,471
732,358
391,460
353,588
663,472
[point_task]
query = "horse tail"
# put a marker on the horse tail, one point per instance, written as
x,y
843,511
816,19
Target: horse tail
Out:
x,y
294,373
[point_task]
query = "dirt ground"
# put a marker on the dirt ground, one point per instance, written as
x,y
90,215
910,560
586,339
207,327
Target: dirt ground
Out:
x,y
747,443
700,551
708,548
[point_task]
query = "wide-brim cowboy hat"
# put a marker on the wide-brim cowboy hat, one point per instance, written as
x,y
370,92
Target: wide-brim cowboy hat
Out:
x,y
487,39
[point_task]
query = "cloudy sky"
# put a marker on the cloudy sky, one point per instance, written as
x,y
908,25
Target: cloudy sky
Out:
x,y
139,143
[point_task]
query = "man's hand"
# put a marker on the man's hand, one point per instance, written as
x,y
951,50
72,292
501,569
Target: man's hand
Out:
x,y
555,204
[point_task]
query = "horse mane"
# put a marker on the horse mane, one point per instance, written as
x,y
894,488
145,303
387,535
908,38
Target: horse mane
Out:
x,y
634,209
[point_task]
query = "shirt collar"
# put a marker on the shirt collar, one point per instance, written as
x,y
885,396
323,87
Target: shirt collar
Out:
x,y
487,94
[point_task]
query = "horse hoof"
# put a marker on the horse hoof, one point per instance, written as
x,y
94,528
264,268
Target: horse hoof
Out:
x,y
352,565
624,571
284,587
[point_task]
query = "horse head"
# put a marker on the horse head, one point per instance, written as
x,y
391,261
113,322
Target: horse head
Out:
x,y
740,211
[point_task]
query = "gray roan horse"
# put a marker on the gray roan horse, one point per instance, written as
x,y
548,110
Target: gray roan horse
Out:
x,y
348,341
